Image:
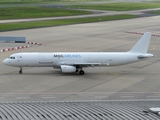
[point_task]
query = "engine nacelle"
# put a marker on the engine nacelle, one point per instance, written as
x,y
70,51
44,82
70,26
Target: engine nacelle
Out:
x,y
68,69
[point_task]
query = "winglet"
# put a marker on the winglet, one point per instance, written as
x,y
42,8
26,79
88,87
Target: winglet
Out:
x,y
142,45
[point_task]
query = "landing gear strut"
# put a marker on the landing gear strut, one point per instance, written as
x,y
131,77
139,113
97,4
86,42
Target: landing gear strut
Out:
x,y
20,71
81,72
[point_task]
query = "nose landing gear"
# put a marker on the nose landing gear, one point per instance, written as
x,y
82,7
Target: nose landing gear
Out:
x,y
20,71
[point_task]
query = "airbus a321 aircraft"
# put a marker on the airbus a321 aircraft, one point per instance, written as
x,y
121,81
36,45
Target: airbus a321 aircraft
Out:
x,y
69,62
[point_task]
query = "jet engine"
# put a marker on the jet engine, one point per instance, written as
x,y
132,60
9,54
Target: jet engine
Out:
x,y
68,69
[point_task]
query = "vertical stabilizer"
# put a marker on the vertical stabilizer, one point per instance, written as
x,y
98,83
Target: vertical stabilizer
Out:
x,y
142,45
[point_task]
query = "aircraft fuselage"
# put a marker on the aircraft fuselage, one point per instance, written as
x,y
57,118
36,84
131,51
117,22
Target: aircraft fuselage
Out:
x,y
57,59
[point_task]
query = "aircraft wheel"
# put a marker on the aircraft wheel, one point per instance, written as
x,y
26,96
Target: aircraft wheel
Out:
x,y
81,72
77,70
20,72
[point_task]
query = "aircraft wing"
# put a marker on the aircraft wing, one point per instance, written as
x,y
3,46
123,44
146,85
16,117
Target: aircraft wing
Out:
x,y
87,64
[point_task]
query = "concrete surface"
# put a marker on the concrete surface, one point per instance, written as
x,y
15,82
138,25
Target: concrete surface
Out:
x,y
134,81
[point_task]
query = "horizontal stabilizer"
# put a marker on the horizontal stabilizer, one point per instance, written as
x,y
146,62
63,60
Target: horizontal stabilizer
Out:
x,y
145,56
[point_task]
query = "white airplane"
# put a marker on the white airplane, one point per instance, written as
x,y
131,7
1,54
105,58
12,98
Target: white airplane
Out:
x,y
69,62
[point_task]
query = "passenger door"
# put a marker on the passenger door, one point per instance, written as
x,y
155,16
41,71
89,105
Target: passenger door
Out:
x,y
18,58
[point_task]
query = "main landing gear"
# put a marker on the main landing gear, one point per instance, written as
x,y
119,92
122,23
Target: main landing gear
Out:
x,y
79,69
20,71
81,72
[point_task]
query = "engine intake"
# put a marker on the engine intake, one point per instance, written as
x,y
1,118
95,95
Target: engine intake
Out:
x,y
68,69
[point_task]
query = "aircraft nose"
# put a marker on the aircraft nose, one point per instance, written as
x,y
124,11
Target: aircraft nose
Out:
x,y
5,62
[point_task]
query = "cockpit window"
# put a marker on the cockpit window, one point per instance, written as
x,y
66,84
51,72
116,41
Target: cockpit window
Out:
x,y
11,57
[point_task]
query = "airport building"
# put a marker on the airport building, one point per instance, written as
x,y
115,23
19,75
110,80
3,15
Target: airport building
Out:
x,y
80,110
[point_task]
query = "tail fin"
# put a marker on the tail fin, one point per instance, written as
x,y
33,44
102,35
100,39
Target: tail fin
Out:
x,y
142,45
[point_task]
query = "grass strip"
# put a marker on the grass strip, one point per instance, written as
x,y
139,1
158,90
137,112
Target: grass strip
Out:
x,y
38,24
155,12
37,12
120,6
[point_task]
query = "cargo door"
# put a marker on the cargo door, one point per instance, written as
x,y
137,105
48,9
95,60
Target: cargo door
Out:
x,y
45,58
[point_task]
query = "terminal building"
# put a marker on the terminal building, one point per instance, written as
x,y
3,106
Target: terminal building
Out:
x,y
13,39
